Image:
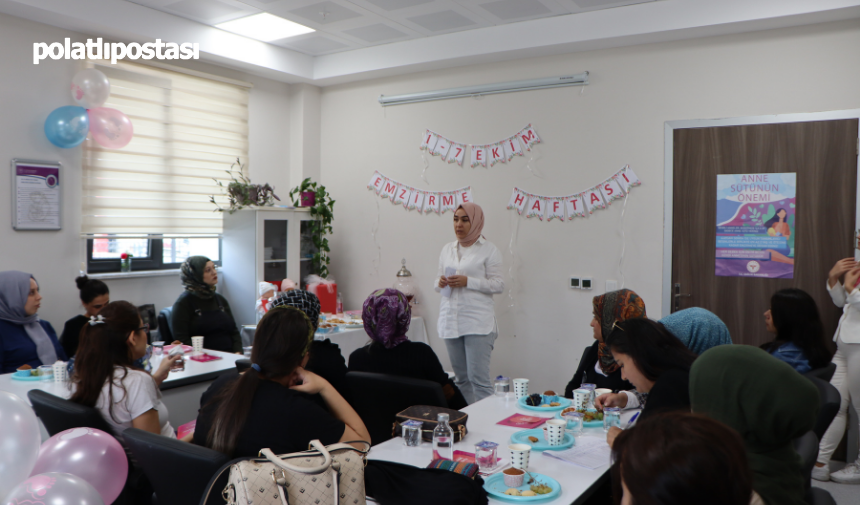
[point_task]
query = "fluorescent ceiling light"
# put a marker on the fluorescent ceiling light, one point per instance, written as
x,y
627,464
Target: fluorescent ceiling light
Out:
x,y
264,26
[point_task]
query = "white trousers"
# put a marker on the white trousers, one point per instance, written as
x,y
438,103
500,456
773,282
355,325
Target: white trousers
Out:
x,y
846,380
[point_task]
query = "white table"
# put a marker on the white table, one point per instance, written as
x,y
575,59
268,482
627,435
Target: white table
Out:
x,y
576,482
181,391
349,339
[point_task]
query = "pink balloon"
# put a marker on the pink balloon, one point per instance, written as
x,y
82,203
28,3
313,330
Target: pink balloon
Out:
x,y
110,127
88,453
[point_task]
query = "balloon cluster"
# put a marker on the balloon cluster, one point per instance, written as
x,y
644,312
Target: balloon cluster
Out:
x,y
68,126
80,466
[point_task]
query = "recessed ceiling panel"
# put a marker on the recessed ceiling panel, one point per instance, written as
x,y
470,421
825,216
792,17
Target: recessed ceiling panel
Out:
x,y
376,33
325,13
313,45
442,21
391,5
204,9
516,9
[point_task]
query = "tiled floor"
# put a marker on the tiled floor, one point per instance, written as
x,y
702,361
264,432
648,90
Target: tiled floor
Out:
x,y
844,494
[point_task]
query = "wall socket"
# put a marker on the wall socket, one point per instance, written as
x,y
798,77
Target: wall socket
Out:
x,y
586,283
611,286
575,283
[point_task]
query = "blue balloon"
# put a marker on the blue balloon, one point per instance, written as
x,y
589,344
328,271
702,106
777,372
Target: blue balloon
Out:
x,y
67,126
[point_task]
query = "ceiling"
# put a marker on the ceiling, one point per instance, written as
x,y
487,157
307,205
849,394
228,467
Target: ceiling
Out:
x,y
343,25
363,39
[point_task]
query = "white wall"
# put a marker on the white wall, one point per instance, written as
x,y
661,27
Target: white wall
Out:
x,y
588,134
28,93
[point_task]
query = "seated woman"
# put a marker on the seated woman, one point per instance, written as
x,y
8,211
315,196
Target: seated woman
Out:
x,y
597,366
94,295
768,404
24,338
793,317
386,314
655,362
200,311
324,357
265,407
681,458
697,328
106,379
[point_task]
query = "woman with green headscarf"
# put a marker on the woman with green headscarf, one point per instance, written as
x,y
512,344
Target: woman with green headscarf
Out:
x,y
200,311
768,404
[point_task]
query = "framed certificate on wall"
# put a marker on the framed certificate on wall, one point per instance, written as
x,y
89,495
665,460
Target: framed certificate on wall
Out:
x,y
37,195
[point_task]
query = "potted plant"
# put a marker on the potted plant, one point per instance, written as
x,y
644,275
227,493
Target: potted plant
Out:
x,y
242,193
322,208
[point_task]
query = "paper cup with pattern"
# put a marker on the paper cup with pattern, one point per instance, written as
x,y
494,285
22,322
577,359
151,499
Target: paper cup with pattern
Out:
x,y
581,397
521,387
197,344
555,431
520,455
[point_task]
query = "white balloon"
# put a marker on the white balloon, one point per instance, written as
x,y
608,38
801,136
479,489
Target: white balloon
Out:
x,y
19,441
90,88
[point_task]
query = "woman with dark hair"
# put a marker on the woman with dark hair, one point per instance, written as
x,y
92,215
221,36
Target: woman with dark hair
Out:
x,y
768,404
94,295
655,362
597,366
200,311
386,314
106,378
25,339
265,407
793,317
776,226
678,459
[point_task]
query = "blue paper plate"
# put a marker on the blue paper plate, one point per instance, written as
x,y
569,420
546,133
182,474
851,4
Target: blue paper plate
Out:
x,y
590,424
25,376
565,403
522,437
326,331
495,487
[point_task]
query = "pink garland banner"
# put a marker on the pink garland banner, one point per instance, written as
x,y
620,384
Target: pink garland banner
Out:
x,y
485,155
418,199
579,204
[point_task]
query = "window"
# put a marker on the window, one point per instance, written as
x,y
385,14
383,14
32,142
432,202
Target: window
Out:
x,y
161,253
152,198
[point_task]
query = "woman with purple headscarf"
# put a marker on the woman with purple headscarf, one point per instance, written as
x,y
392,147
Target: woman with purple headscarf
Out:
x,y
387,314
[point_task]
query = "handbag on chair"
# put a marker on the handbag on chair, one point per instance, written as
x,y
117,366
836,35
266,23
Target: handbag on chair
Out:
x,y
322,475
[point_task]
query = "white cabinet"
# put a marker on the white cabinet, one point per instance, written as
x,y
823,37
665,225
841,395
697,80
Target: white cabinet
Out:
x,y
258,245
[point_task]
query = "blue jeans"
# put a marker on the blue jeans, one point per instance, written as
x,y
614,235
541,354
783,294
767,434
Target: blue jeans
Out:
x,y
470,357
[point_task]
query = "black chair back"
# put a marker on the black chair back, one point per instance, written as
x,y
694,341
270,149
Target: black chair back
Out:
x,y
378,398
824,373
828,405
58,414
178,471
818,496
165,322
807,447
243,364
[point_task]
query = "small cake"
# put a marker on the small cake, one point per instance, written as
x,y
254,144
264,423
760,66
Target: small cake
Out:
x,y
555,404
533,440
515,492
549,393
528,493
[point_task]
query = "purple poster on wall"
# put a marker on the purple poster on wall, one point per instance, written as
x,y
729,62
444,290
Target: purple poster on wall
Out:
x,y
755,225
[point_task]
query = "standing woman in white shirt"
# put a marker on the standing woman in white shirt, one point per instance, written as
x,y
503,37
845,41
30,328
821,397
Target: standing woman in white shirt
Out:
x,y
847,376
472,267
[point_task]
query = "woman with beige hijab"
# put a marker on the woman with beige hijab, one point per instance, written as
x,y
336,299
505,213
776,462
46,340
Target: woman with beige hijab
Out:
x,y
470,273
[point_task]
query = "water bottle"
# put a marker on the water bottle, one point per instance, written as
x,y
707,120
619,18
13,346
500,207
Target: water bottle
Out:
x,y
339,304
443,439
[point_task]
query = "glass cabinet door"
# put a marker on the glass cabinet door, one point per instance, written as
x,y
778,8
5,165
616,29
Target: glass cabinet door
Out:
x,y
274,249
308,249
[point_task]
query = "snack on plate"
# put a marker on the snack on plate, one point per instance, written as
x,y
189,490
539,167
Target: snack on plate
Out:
x,y
592,416
569,409
541,488
337,321
534,400
512,492
528,493
25,367
549,393
326,325
534,440
555,404
545,405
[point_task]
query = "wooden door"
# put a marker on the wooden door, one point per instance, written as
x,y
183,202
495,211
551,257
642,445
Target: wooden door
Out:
x,y
823,154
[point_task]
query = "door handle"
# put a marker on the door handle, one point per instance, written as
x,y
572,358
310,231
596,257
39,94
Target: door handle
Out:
x,y
677,297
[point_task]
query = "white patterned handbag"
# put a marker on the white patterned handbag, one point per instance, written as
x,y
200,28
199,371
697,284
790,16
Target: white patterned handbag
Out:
x,y
322,475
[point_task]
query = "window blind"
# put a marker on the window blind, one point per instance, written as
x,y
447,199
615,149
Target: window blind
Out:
x,y
188,130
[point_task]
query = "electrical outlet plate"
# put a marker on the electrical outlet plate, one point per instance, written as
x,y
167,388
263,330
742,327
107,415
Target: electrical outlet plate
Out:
x,y
611,285
586,283
575,283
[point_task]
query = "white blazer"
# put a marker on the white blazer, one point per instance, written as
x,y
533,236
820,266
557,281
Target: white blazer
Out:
x,y
849,323
469,310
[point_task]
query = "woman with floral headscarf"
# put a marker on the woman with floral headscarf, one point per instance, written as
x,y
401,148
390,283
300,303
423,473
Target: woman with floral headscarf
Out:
x,y
386,318
200,311
597,366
